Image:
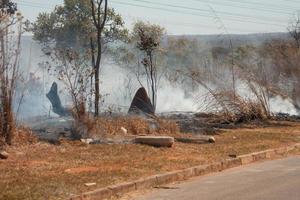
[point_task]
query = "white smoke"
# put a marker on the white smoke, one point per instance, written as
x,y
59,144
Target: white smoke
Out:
x,y
118,87
280,105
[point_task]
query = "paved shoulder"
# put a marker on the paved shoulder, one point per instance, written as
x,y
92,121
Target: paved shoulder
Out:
x,y
271,180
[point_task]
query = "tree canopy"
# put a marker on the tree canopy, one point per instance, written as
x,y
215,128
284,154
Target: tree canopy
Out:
x,y
71,25
8,7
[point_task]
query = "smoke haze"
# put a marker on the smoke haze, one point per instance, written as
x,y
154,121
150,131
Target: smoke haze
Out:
x,y
118,87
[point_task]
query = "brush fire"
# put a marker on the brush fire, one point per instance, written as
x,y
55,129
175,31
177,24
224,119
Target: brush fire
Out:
x,y
84,95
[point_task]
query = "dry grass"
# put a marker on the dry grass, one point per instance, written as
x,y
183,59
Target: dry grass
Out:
x,y
21,137
104,126
44,171
24,136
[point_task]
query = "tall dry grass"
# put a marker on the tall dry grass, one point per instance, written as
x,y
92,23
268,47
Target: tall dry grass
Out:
x,y
10,41
135,125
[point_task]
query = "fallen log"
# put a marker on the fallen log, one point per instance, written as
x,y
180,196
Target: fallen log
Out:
x,y
156,141
197,140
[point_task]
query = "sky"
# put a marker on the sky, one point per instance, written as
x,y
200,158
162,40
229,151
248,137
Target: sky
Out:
x,y
195,17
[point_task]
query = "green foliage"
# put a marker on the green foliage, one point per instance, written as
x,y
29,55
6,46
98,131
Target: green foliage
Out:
x,y
129,54
7,6
148,36
71,25
71,28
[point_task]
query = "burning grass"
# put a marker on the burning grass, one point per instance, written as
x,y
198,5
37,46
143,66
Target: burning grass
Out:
x,y
44,171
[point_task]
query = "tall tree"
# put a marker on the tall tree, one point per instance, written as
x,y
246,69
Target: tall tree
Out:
x,y
148,38
99,20
84,26
143,55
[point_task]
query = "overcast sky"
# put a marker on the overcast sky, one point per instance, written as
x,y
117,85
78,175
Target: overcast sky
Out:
x,y
193,16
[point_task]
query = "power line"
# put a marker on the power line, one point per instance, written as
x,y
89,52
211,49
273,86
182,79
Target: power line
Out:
x,y
184,24
228,4
180,7
175,6
203,10
33,4
254,5
36,5
282,7
194,14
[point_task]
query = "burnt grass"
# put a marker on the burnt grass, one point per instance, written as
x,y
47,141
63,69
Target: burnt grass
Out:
x,y
53,129
41,170
213,124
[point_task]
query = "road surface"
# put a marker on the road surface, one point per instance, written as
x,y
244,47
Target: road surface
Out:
x,y
271,180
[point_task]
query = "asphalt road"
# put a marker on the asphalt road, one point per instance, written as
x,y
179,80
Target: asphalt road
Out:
x,y
271,180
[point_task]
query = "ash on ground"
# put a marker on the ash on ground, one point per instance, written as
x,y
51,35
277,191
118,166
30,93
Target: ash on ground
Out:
x,y
52,129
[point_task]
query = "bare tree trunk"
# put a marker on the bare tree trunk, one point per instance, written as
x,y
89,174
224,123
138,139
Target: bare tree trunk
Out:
x,y
97,91
153,81
99,24
8,74
232,69
8,124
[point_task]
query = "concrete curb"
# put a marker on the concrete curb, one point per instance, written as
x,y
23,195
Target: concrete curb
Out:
x,y
180,175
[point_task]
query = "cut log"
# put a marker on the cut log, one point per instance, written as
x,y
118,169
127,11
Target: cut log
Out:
x,y
156,141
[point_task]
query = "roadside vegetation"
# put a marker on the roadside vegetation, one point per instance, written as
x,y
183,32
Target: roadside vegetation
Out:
x,y
44,171
231,84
